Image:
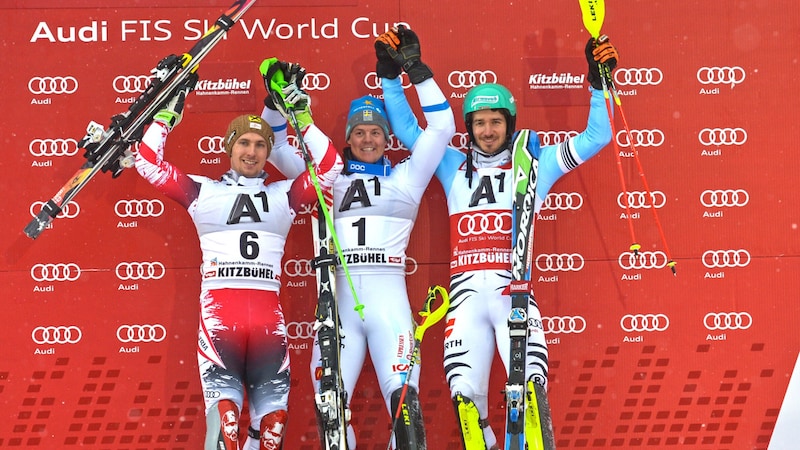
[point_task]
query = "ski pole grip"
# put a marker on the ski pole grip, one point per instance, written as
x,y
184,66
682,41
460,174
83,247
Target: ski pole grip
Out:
x,y
429,316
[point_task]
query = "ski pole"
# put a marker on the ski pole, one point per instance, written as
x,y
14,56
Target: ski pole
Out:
x,y
429,318
593,12
359,307
635,246
649,198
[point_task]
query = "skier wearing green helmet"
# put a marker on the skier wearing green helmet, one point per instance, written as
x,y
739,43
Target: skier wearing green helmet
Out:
x,y
479,189
495,123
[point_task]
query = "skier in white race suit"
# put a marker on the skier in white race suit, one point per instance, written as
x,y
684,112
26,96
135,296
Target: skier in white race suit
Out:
x,y
374,209
242,223
479,190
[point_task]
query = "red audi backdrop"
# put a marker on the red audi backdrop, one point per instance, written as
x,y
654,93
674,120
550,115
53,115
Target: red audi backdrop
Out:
x,y
639,358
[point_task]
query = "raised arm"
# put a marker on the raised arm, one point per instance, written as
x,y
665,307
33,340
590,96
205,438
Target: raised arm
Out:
x,y
284,156
150,163
398,49
283,81
564,157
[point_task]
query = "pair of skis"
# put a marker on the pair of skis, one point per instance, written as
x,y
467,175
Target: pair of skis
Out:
x,y
331,398
108,150
528,422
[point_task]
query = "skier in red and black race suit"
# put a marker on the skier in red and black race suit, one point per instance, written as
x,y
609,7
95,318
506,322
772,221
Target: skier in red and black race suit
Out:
x,y
375,205
242,223
479,190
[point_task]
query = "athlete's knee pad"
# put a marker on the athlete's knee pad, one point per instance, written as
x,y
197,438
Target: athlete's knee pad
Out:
x,y
222,426
469,423
272,430
409,431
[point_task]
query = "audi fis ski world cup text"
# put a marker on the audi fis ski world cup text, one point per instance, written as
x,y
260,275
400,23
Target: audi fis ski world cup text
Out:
x,y
145,30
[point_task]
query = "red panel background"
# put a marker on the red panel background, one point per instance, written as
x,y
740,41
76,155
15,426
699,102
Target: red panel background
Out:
x,y
686,385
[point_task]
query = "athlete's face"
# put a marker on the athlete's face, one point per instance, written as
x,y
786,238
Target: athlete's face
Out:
x,y
367,143
489,129
249,155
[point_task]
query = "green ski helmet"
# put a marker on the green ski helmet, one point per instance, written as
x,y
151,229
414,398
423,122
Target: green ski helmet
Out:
x,y
491,96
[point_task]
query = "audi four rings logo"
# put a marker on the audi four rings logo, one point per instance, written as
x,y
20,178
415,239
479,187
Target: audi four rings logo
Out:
x,y
724,197
555,137
459,140
373,81
300,330
316,81
562,201
56,335
564,262
728,321
394,144
53,147
470,78
563,324
482,223
638,77
131,84
52,85
726,258
644,322
638,199
298,268
722,136
68,211
140,271
55,272
141,333
210,144
721,75
640,138
642,260
139,208
411,265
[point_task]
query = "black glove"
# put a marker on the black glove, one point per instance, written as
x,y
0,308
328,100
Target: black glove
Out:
x,y
407,54
602,58
386,67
